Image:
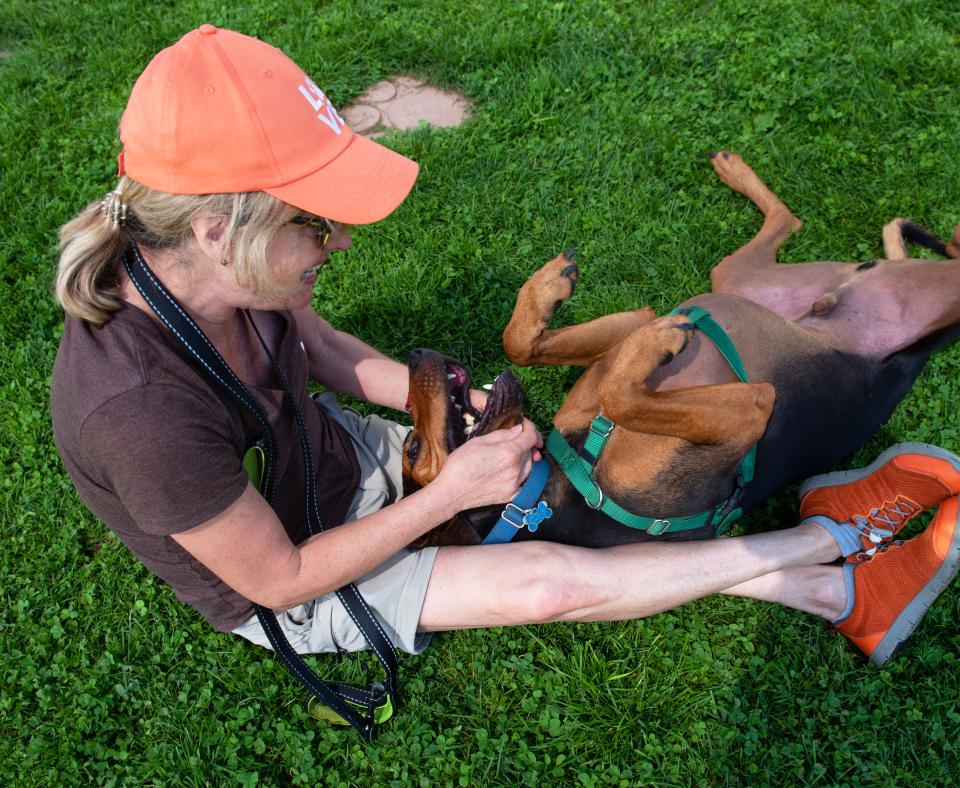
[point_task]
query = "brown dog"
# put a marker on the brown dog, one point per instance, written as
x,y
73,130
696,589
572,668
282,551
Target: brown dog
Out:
x,y
829,348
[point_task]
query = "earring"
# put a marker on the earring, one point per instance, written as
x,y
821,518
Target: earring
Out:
x,y
224,262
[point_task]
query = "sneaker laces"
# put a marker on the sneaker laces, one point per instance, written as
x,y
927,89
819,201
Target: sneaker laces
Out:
x,y
866,555
882,523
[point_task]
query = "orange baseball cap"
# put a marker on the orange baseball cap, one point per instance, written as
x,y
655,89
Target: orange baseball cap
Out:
x,y
223,112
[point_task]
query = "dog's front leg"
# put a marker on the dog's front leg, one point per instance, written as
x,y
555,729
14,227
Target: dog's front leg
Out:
x,y
528,339
733,413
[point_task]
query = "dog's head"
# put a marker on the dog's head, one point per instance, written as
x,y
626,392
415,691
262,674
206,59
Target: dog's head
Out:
x,y
444,418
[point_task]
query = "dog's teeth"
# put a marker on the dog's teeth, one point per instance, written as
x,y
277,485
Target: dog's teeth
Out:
x,y
468,431
451,376
487,386
468,418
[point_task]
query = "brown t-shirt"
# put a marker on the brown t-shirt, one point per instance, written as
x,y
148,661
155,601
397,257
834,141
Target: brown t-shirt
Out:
x,y
155,446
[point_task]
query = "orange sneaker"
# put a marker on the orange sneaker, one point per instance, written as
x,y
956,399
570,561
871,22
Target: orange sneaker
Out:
x,y
907,479
889,591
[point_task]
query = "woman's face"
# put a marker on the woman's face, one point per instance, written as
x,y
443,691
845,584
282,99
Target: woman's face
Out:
x,y
296,254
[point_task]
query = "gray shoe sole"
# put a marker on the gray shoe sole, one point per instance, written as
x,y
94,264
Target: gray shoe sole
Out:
x,y
904,624
845,477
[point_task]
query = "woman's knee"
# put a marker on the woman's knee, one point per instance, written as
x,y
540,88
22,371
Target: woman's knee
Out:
x,y
558,583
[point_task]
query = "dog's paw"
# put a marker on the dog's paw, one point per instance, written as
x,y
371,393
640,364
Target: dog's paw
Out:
x,y
673,332
733,170
553,284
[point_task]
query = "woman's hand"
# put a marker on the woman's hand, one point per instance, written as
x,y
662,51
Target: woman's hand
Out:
x,y
491,468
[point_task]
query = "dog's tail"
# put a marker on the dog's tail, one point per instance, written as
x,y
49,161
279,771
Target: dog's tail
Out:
x,y
921,236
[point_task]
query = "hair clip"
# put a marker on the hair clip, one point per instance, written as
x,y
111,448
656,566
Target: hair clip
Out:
x,y
113,209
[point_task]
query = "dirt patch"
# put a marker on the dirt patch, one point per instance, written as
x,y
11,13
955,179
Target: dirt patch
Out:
x,y
403,103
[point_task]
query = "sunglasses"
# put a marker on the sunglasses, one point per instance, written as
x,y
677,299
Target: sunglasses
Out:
x,y
323,227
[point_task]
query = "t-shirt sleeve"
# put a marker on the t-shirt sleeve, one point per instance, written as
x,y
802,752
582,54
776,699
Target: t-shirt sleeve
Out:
x,y
166,454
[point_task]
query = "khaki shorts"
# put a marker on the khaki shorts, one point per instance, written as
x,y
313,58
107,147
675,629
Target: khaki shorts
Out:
x,y
395,590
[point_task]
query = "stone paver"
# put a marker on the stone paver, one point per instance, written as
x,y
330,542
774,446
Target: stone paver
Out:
x,y
402,103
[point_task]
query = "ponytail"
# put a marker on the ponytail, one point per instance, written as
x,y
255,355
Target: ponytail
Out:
x,y
88,281
92,244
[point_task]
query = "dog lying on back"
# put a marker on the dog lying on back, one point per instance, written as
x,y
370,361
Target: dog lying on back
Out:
x,y
829,350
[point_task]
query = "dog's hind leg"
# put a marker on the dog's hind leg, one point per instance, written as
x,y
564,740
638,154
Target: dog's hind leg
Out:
x,y
527,339
874,308
953,245
894,245
897,232
753,271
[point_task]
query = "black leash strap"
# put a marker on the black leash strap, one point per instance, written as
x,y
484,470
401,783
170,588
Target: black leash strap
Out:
x,y
343,699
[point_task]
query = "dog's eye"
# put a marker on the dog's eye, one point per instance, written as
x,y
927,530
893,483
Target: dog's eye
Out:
x,y
413,450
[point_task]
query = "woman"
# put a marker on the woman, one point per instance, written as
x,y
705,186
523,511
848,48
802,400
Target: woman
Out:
x,y
238,181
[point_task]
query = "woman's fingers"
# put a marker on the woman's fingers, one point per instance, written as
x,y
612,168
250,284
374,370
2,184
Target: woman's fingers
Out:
x,y
491,468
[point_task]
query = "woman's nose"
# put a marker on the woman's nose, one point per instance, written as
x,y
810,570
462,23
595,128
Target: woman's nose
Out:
x,y
340,238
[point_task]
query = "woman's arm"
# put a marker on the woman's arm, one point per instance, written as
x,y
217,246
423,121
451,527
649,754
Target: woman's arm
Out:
x,y
343,363
247,547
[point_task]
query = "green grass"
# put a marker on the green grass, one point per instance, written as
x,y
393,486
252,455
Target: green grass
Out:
x,y
593,122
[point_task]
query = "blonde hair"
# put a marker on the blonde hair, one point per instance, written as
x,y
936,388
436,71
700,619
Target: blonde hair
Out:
x,y
92,246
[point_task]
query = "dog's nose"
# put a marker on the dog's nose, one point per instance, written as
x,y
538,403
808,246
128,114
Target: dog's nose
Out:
x,y
415,357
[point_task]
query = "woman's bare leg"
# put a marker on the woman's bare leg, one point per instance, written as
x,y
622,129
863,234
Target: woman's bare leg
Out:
x,y
533,582
818,590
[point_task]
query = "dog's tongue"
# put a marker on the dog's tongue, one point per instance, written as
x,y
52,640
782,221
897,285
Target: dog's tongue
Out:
x,y
457,375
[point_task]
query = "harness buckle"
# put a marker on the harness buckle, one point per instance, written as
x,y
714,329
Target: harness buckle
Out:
x,y
605,426
734,501
658,527
599,502
730,512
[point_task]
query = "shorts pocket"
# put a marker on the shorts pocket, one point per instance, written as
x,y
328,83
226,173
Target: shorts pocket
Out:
x,y
297,624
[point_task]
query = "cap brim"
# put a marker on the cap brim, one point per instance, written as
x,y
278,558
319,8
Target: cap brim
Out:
x,y
363,184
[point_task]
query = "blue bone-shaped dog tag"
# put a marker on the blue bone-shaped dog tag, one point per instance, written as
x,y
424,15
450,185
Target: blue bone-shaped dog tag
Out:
x,y
534,517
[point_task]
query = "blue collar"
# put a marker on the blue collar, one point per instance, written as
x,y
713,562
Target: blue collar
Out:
x,y
523,511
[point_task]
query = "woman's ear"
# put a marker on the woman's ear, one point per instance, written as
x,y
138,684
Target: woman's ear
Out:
x,y
209,231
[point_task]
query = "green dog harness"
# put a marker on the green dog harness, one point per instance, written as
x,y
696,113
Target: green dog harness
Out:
x,y
579,467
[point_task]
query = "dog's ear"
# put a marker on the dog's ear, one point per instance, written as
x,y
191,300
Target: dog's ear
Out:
x,y
510,417
409,485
